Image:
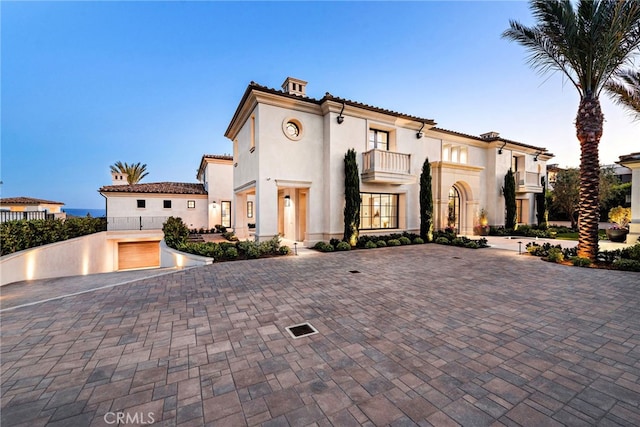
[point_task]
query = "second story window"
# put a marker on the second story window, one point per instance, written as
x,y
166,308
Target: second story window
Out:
x,y
141,203
378,139
191,204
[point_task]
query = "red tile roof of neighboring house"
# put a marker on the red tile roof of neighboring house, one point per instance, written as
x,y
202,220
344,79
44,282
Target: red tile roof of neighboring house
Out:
x,y
157,187
218,156
27,201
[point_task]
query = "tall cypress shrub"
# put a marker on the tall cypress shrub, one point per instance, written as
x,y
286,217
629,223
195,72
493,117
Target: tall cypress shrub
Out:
x,y
509,191
351,198
542,213
426,203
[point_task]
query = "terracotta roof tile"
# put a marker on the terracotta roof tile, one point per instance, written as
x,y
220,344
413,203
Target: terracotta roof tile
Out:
x,y
157,187
27,201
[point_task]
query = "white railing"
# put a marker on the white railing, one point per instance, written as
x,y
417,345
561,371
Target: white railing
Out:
x,y
135,222
527,179
385,161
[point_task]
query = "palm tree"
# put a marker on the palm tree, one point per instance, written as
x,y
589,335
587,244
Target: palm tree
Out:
x,y
135,172
625,90
588,43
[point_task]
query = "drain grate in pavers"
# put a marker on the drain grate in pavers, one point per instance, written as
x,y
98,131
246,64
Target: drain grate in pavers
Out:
x,y
354,271
301,330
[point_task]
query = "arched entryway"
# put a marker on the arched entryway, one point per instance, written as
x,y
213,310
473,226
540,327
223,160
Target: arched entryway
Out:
x,y
453,209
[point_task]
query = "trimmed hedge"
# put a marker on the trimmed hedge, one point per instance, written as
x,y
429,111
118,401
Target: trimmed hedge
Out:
x,y
25,234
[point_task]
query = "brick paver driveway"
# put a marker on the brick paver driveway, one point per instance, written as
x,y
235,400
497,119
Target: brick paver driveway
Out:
x,y
419,335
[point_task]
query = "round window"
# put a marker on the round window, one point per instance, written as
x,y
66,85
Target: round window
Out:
x,y
292,128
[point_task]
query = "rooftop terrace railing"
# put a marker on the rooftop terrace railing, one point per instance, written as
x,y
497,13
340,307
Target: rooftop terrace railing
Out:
x,y
120,223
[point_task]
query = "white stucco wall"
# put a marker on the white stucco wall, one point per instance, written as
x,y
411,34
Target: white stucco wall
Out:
x,y
125,205
82,255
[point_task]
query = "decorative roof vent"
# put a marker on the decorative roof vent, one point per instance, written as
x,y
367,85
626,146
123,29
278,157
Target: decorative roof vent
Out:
x,y
490,135
294,86
119,178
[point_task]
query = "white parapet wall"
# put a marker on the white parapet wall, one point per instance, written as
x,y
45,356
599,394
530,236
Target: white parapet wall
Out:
x,y
79,256
170,257
91,254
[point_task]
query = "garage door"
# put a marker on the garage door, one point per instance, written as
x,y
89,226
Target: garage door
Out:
x,y
138,255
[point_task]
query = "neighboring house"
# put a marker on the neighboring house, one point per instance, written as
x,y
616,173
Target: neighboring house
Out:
x,y
289,149
632,162
15,208
147,206
136,213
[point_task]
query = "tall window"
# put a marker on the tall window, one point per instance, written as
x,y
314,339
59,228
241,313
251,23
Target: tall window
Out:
x,y
519,211
226,214
378,211
453,214
378,139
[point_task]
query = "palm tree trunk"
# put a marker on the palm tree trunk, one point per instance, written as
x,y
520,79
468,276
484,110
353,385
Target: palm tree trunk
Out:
x,y
589,123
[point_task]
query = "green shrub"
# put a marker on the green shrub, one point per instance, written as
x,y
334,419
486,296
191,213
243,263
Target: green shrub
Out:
x,y
334,242
230,236
632,252
393,242
471,245
284,250
231,253
580,261
381,244
404,240
627,264
323,247
344,246
418,241
175,232
458,241
443,241
555,255
370,245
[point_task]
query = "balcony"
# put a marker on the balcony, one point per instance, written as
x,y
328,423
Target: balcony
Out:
x,y
528,182
381,166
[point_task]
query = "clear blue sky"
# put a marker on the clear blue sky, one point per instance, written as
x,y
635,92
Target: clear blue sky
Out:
x,y
86,84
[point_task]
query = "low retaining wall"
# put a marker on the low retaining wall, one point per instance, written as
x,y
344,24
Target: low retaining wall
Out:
x,y
172,258
79,256
91,254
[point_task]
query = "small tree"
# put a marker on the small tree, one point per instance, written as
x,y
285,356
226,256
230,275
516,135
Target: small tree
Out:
x,y
175,232
351,198
509,191
426,203
566,193
542,213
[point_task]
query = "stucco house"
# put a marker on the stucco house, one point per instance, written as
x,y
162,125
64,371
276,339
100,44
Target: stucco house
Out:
x,y
288,156
15,208
146,206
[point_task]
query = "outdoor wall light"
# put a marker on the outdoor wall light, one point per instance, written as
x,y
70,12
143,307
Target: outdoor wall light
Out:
x,y
535,159
214,204
287,201
340,117
500,149
419,134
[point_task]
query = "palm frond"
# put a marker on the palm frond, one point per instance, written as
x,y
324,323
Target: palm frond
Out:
x,y
625,90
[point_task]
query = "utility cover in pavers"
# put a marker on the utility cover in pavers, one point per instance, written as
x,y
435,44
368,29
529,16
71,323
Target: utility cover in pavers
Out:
x,y
301,330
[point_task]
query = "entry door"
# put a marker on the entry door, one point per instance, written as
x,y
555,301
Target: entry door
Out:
x,y
226,214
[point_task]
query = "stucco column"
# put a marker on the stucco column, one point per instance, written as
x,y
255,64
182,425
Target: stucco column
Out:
x,y
632,161
239,224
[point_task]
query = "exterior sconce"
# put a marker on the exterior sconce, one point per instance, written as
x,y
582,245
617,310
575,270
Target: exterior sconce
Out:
x,y
214,204
419,134
340,117
287,201
500,149
535,159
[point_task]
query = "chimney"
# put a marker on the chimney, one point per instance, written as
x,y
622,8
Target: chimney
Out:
x,y
294,86
119,178
490,135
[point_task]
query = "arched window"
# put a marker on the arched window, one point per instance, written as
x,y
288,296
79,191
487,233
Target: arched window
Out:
x,y
453,214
